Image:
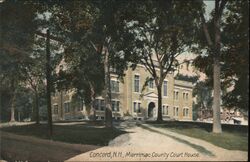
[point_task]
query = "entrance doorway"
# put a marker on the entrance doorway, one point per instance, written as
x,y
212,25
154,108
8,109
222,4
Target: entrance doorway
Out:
x,y
151,107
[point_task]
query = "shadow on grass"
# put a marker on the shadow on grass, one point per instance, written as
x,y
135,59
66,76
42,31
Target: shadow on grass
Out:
x,y
79,134
234,137
196,147
205,126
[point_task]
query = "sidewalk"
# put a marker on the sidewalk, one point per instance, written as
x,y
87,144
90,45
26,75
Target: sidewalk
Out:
x,y
147,143
218,153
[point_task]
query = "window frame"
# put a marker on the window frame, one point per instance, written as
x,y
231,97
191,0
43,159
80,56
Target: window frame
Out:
x,y
137,80
165,88
55,107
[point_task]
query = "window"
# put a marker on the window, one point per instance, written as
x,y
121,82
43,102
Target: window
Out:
x,y
163,109
176,111
117,105
114,86
134,106
66,107
96,104
102,105
99,104
151,84
113,105
185,95
176,95
55,109
165,88
136,83
137,107
80,105
185,112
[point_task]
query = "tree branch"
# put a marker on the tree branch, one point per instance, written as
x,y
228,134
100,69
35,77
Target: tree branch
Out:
x,y
205,30
221,7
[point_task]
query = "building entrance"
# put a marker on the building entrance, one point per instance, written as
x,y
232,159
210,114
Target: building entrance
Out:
x,y
151,107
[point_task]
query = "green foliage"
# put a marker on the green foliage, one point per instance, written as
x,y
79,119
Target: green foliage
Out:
x,y
162,28
17,27
203,94
159,32
192,79
234,54
84,69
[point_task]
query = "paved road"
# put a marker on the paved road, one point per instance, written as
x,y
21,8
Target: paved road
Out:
x,y
22,148
154,144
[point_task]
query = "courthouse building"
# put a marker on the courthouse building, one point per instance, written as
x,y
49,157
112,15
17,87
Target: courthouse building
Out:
x,y
128,99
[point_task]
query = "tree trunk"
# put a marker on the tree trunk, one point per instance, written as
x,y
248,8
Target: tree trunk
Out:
x,y
93,110
92,100
216,66
88,111
0,102
12,110
61,104
36,108
159,115
216,98
19,116
108,110
13,101
48,87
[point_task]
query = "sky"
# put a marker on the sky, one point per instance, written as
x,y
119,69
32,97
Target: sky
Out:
x,y
209,7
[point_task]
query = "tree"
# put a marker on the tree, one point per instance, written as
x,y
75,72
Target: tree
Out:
x,y
16,42
34,73
108,38
235,37
98,26
212,33
163,30
203,94
83,71
225,38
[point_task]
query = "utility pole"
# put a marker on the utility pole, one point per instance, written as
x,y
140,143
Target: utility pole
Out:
x,y
48,78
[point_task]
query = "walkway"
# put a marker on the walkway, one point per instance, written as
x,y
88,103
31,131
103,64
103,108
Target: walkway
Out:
x,y
147,143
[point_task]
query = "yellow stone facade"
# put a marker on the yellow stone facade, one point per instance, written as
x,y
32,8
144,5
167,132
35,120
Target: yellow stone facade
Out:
x,y
176,100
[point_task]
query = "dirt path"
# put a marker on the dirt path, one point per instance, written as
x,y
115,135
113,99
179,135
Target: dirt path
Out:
x,y
23,148
155,144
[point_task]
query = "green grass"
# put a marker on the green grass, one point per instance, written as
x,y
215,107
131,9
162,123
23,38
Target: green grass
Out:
x,y
81,134
229,139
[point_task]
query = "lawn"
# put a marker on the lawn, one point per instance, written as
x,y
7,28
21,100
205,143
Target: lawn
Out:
x,y
80,134
233,137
